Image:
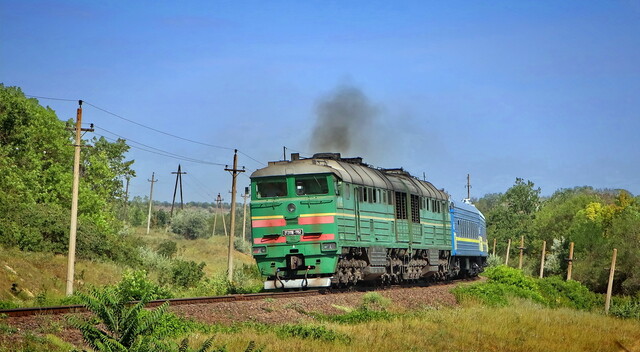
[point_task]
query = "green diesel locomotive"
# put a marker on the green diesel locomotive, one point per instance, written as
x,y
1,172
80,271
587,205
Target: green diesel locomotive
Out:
x,y
332,221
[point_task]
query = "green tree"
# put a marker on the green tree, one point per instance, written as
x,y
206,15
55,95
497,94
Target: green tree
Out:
x,y
36,171
513,216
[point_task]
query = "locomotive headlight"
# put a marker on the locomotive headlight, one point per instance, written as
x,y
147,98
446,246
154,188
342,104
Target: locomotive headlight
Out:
x,y
291,207
259,250
329,246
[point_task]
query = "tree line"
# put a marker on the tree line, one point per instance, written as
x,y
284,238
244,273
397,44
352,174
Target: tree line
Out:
x,y
596,220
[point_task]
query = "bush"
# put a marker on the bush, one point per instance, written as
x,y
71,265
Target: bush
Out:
x,y
494,260
241,245
186,273
168,248
625,307
571,294
136,286
246,279
191,224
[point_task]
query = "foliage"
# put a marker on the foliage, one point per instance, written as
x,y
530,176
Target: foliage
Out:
x,y
375,301
191,224
186,273
136,286
36,164
494,260
168,248
625,307
595,220
373,308
246,279
310,331
118,326
505,283
241,245
7,305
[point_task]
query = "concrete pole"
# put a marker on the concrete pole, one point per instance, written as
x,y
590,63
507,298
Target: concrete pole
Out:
x,y
570,267
495,240
506,259
152,180
234,173
521,252
544,249
607,302
74,204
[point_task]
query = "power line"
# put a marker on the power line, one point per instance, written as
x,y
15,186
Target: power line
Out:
x,y
153,129
157,130
167,154
48,98
159,150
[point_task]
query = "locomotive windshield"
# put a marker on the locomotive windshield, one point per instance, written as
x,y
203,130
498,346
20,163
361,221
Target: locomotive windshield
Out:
x,y
271,188
309,185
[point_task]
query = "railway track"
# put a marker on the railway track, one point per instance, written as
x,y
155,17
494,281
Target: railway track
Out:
x,y
55,310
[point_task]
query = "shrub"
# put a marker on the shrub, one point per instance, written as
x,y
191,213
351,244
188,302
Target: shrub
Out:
x,y
625,307
186,273
136,286
191,224
241,245
494,260
246,279
572,294
168,248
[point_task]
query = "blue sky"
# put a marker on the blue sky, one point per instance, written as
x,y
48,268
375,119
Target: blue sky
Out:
x,y
544,90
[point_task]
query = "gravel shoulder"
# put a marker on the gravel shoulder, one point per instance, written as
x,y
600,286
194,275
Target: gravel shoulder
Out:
x,y
272,311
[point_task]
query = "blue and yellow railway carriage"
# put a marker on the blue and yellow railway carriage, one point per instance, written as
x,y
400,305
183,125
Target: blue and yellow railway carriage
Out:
x,y
328,220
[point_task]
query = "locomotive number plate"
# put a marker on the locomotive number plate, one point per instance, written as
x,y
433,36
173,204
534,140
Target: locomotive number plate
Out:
x,y
294,232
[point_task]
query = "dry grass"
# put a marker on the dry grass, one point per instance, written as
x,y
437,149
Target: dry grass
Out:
x,y
37,273
212,251
525,327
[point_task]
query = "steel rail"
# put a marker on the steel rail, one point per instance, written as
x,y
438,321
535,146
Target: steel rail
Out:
x,y
22,312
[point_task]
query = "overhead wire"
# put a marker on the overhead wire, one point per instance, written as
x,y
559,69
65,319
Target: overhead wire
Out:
x,y
49,98
167,154
159,150
152,128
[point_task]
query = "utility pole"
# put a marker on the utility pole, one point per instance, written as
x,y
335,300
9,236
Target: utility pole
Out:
x,y
521,252
215,216
74,200
544,249
570,266
244,216
234,174
178,177
152,180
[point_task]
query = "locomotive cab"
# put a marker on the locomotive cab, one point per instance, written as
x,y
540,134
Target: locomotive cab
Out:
x,y
294,229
